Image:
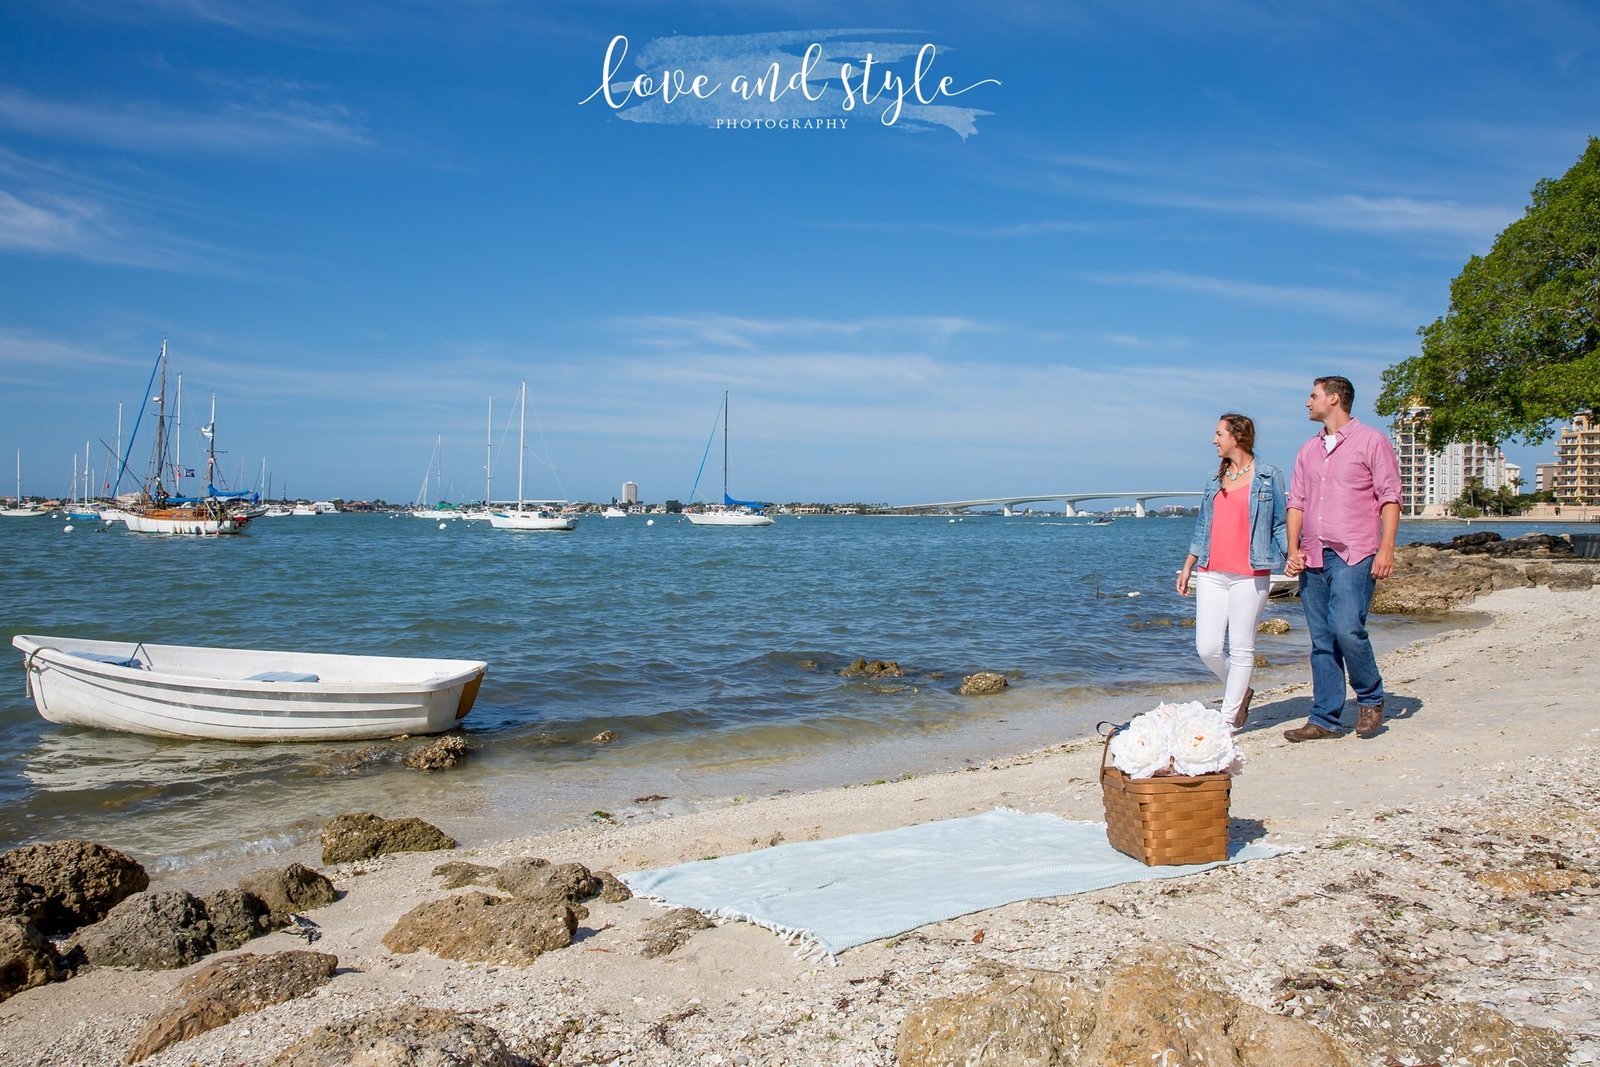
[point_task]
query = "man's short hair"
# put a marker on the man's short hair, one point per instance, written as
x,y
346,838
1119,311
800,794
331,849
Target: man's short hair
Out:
x,y
1334,385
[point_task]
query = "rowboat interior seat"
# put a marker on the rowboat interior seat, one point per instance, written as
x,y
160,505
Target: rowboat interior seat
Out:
x,y
106,657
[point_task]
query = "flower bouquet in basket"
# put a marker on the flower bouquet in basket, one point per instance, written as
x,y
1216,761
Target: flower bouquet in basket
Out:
x,y
1166,776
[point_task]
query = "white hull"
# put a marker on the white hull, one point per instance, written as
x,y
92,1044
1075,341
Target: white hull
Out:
x,y
728,518
439,514
180,527
228,695
20,513
531,520
613,513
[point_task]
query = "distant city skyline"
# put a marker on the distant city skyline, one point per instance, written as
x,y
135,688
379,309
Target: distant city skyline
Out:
x,y
1114,222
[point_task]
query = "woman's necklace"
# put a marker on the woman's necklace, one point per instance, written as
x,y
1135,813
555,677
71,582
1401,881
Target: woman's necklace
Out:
x,y
1235,473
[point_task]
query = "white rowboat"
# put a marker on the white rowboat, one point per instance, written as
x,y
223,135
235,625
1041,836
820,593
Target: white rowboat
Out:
x,y
235,694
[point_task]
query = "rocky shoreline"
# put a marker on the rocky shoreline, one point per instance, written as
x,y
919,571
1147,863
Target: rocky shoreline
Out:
x,y
1439,905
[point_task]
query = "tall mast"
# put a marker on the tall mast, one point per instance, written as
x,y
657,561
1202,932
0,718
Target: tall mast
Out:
x,y
210,432
161,418
724,446
522,442
177,442
488,456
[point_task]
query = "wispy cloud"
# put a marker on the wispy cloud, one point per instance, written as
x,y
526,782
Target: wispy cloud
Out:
x,y
56,224
749,334
1344,303
252,126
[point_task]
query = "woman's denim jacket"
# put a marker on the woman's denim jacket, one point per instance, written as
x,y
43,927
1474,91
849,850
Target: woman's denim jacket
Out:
x,y
1269,531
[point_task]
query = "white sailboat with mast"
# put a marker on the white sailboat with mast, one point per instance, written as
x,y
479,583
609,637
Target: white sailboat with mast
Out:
x,y
155,510
19,510
730,512
524,517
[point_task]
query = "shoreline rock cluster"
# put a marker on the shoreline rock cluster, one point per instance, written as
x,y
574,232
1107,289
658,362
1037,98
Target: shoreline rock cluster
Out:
x,y
1432,578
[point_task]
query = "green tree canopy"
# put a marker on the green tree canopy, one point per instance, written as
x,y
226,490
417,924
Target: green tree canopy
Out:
x,y
1519,349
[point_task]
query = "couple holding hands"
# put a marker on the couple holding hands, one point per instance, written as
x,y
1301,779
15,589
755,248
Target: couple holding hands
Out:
x,y
1334,530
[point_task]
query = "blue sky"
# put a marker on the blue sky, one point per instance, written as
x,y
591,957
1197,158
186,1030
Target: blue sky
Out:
x,y
358,222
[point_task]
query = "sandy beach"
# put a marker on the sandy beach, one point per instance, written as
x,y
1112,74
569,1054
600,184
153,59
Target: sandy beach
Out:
x,y
1399,886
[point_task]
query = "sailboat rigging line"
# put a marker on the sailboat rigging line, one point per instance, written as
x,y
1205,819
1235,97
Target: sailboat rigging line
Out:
x,y
135,435
710,440
539,429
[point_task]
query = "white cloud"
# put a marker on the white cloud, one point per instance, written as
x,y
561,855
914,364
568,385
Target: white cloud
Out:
x,y
1344,303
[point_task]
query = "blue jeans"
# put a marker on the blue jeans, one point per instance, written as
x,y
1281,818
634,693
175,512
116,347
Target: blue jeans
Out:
x,y
1335,597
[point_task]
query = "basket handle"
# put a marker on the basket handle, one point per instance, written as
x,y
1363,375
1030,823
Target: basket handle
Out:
x,y
1105,750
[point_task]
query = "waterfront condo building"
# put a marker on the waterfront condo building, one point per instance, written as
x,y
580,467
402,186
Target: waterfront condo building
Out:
x,y
1430,481
630,492
1577,474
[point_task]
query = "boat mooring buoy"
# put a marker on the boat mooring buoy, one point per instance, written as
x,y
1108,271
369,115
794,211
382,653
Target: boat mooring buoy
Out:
x,y
441,526
67,528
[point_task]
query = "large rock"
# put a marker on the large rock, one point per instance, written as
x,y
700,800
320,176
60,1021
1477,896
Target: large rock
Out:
x,y
669,932
72,883
413,1036
1464,1035
363,835
236,916
612,891
149,931
1018,1020
561,883
458,873
27,957
1155,1005
982,684
224,990
488,929
438,755
290,889
861,667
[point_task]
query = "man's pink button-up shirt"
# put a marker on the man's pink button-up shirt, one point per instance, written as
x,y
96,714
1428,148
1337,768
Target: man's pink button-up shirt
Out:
x,y
1341,493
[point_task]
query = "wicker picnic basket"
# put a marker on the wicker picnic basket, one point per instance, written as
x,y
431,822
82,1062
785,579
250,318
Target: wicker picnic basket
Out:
x,y
1169,820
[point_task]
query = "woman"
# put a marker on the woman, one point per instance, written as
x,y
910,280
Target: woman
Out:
x,y
1239,539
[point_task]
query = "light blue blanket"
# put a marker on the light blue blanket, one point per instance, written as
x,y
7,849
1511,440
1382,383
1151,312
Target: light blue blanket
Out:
x,y
836,894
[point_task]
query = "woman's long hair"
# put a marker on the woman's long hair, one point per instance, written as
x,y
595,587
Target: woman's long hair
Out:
x,y
1244,432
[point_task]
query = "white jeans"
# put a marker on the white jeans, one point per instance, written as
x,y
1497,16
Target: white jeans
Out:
x,y
1228,605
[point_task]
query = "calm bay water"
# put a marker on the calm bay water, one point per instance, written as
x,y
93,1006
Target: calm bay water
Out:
x,y
711,654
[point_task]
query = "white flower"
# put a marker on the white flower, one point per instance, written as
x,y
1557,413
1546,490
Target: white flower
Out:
x,y
1143,747
1202,740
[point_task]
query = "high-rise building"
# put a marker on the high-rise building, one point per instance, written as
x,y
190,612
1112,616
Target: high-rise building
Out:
x,y
1544,477
1431,480
630,492
1577,475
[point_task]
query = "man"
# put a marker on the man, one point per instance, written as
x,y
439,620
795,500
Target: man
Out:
x,y
1343,514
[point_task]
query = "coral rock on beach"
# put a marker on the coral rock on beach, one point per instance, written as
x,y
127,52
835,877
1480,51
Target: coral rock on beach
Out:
x,y
1153,1005
364,835
236,916
1273,626
542,881
149,931
222,991
68,884
438,755
286,890
458,873
667,933
861,667
1431,578
413,1036
27,957
982,683
486,928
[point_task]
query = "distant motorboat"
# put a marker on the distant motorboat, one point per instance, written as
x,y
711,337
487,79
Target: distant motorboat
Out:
x,y
1102,521
234,694
613,513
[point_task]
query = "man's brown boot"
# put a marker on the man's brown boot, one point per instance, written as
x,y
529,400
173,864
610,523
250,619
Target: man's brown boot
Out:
x,y
1311,732
1369,720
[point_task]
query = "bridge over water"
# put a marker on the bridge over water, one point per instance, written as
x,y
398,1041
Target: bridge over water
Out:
x,y
1069,501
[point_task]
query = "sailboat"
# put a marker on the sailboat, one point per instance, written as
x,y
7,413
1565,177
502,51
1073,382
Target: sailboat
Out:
x,y
20,511
79,507
155,510
730,512
526,518
439,510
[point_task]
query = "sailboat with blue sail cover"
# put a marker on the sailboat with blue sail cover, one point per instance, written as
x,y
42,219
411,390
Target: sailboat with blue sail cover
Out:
x,y
730,512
